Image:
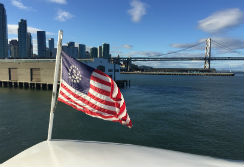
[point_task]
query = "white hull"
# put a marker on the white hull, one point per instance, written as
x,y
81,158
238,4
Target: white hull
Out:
x,y
81,153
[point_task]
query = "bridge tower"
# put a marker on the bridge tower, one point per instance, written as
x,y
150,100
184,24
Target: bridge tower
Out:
x,y
128,64
207,54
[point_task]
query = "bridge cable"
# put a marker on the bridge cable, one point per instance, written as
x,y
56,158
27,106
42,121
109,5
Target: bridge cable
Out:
x,y
226,48
173,52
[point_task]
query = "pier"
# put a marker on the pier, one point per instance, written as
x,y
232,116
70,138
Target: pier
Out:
x,y
26,85
47,86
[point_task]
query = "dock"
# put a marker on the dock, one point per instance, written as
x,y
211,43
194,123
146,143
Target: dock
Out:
x,y
47,86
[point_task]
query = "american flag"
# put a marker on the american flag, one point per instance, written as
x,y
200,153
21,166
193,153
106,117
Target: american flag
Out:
x,y
91,91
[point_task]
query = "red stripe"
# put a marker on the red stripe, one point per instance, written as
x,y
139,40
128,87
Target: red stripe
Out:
x,y
122,108
112,90
108,103
96,79
88,102
85,110
118,97
102,73
101,91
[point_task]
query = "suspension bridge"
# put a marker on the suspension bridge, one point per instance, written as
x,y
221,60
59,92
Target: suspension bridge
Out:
x,y
207,58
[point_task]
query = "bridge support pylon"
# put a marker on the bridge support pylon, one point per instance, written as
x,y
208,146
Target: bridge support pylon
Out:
x,y
207,54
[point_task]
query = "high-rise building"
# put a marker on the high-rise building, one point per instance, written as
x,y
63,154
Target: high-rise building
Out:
x,y
41,44
93,52
71,44
82,51
106,49
87,54
13,44
70,49
51,47
29,45
3,33
100,51
22,39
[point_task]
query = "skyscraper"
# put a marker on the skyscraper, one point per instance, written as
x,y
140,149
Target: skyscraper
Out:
x,y
93,52
70,49
3,33
13,49
100,51
41,44
106,49
82,51
22,39
29,45
51,47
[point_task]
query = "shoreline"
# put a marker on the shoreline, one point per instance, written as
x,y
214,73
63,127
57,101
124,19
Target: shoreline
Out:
x,y
182,73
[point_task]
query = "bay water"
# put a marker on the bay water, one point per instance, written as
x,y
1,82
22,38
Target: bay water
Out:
x,y
195,114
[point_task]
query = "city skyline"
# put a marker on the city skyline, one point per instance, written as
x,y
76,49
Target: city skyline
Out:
x,y
22,48
136,27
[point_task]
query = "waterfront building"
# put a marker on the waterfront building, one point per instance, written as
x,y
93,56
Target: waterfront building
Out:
x,y
100,52
81,51
51,47
106,51
41,44
93,52
3,32
29,45
22,39
42,70
13,48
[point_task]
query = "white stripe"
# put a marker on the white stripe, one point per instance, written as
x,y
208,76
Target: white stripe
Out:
x,y
100,96
94,102
107,79
122,100
64,99
97,116
122,114
101,86
115,91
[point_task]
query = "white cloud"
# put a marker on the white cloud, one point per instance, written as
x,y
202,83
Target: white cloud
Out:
x,y
63,15
138,9
127,46
143,54
229,43
221,20
191,46
9,39
19,4
13,29
58,1
34,41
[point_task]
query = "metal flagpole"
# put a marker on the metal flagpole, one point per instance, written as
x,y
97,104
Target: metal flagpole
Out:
x,y
55,83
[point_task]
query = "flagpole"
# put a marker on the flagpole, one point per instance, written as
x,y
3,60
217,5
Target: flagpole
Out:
x,y
55,83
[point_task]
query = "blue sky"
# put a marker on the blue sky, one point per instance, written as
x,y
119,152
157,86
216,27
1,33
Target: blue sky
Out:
x,y
138,27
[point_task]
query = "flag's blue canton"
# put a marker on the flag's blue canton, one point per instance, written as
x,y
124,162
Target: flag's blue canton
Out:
x,y
76,74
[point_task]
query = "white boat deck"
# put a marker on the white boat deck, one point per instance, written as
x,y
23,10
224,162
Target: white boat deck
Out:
x,y
80,153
